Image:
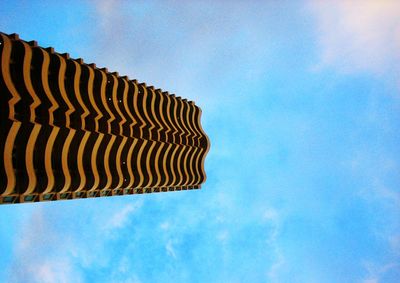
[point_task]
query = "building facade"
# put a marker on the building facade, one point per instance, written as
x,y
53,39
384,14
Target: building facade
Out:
x,y
72,130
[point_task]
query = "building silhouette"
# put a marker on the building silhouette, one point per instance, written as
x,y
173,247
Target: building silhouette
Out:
x,y
71,130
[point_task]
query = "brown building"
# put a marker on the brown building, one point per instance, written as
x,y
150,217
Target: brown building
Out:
x,y
71,130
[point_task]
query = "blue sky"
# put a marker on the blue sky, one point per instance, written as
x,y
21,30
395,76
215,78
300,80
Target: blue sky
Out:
x,y
301,101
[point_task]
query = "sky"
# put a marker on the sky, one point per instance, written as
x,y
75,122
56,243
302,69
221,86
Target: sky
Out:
x,y
301,102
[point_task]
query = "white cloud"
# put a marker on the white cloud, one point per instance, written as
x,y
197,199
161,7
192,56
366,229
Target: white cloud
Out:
x,y
377,192
124,272
170,249
121,216
36,259
165,225
223,236
358,35
394,241
272,216
273,272
225,38
55,271
132,279
376,272
57,238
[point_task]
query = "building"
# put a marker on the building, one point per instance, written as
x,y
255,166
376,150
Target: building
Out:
x,y
72,130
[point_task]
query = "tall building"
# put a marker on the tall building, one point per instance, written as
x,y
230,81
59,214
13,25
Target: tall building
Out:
x,y
71,130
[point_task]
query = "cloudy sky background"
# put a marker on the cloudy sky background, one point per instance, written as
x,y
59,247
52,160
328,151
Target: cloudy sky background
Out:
x,y
301,101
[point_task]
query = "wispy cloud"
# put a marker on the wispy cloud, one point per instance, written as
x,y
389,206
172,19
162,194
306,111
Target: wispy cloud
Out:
x,y
120,218
273,217
158,48
358,36
376,165
59,242
376,273
29,263
170,249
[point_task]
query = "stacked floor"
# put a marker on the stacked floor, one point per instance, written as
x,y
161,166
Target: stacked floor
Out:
x,y
71,130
